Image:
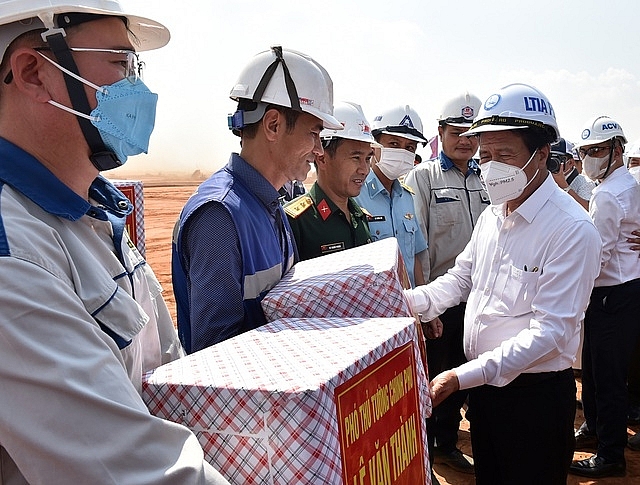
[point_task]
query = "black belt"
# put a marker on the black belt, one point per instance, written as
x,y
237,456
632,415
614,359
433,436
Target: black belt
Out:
x,y
537,377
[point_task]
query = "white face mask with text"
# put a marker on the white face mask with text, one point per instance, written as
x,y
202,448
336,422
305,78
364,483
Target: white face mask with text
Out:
x,y
504,182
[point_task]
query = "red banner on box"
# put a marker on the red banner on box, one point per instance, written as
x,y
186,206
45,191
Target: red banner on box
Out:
x,y
379,423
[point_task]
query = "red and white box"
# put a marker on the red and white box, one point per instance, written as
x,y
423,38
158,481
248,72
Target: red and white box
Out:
x,y
133,190
313,401
366,281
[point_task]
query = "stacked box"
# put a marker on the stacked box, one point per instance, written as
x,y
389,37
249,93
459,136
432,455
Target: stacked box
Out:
x,y
305,401
366,281
133,190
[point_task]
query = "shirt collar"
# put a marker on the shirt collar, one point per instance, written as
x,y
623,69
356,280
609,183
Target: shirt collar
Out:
x,y
27,175
318,195
254,181
530,207
374,186
447,164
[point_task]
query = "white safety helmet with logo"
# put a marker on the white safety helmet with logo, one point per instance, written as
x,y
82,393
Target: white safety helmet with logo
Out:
x,y
602,128
20,16
401,121
516,106
354,123
282,77
598,130
460,111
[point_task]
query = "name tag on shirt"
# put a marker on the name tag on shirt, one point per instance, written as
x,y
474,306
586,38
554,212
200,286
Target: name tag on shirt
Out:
x,y
332,247
376,218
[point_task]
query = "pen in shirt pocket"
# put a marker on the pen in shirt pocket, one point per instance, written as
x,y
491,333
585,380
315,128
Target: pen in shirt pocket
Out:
x,y
533,270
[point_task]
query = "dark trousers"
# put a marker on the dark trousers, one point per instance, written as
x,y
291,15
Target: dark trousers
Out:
x,y
633,379
445,353
522,433
611,330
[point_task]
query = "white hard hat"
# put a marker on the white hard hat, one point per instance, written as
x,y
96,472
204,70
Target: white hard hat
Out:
x,y
599,129
513,107
20,16
460,111
288,78
633,150
355,124
401,121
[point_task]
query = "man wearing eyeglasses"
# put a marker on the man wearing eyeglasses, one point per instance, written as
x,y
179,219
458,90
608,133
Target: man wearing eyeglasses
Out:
x,y
81,314
611,326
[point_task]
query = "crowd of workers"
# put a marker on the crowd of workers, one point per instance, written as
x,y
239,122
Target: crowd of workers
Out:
x,y
519,245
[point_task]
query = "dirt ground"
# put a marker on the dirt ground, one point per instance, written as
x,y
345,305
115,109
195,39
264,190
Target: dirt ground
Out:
x,y
162,207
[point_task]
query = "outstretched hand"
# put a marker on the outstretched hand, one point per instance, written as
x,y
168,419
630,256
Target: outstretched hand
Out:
x,y
432,329
443,385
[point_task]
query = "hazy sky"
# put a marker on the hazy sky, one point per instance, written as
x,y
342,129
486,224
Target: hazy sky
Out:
x,y
583,54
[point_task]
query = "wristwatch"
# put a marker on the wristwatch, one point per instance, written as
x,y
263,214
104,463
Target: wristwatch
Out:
x,y
566,189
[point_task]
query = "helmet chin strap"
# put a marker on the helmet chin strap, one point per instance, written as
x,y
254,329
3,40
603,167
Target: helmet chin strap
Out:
x,y
606,172
101,157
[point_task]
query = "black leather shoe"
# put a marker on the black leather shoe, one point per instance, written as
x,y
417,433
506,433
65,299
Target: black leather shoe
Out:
x,y
597,467
634,442
456,460
633,415
585,440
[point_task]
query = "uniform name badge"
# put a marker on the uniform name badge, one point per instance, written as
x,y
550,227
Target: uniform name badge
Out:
x,y
331,247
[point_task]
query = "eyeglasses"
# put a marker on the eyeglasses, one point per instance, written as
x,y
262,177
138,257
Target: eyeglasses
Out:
x,y
595,152
133,66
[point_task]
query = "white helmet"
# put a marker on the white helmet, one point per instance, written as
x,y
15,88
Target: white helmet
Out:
x,y
402,121
355,124
460,111
633,150
600,129
20,16
283,77
514,107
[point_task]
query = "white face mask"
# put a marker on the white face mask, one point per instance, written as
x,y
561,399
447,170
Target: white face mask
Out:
x,y
593,167
635,171
504,182
395,162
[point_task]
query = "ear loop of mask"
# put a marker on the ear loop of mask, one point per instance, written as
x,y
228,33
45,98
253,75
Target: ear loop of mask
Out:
x,y
101,157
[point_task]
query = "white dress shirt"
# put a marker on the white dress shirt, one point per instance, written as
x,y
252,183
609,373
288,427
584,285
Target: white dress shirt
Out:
x,y
615,210
528,277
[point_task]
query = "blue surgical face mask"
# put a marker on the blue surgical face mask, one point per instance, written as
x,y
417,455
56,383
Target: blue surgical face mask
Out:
x,y
125,114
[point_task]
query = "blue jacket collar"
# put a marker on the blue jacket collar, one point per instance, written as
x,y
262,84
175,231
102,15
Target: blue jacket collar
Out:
x,y
27,175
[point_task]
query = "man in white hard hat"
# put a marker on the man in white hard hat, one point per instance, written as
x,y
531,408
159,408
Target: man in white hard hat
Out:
x,y
82,317
563,168
233,242
449,198
633,160
328,219
390,201
611,326
521,330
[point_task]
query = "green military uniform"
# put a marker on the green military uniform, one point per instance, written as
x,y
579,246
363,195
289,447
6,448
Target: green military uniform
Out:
x,y
320,227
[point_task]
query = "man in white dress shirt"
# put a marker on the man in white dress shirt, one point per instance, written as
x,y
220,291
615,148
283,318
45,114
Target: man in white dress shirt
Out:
x,y
522,328
611,326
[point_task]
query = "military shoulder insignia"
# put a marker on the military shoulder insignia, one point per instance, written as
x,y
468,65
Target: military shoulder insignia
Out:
x,y
298,206
407,188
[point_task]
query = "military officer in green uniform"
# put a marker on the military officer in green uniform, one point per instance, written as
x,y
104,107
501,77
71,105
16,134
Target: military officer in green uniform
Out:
x,y
327,219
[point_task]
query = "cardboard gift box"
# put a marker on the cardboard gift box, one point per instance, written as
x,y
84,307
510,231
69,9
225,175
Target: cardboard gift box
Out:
x,y
313,401
366,281
133,190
